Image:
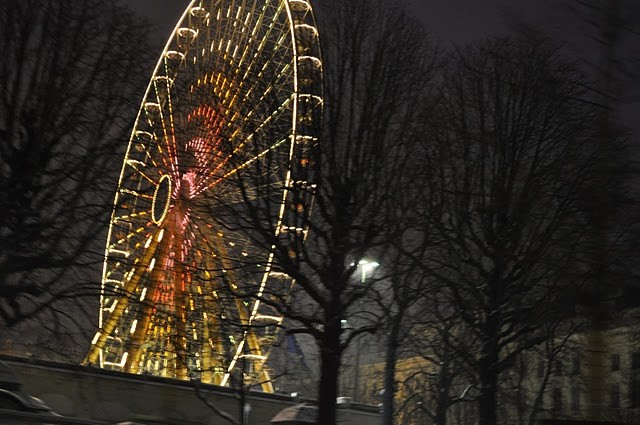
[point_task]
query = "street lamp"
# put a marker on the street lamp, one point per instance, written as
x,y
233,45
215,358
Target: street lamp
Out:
x,y
365,267
246,410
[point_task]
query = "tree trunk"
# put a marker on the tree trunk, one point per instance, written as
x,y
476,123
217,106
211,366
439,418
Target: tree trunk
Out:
x,y
442,404
390,372
487,401
487,404
330,353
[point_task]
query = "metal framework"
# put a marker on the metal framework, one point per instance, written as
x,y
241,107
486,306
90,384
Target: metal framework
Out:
x,y
230,118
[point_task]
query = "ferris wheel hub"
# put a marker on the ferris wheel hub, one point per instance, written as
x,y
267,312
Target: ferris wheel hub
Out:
x,y
161,199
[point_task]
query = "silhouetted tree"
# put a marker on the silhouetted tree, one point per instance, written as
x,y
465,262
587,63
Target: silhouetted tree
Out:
x,y
401,296
69,82
606,42
513,149
401,287
439,380
375,69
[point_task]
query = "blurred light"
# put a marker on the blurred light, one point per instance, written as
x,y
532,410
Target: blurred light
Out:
x,y
365,267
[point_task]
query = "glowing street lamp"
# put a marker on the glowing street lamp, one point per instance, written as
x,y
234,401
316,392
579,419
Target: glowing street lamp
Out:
x,y
365,267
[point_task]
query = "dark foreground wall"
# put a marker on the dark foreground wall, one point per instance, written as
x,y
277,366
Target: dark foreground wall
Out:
x,y
90,393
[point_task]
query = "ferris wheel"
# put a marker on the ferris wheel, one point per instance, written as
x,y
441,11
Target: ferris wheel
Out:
x,y
229,122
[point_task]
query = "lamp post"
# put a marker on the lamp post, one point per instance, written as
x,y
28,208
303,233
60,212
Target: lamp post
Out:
x,y
246,409
365,267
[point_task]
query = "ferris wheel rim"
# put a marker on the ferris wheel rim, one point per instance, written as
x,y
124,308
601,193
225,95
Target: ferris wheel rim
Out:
x,y
298,98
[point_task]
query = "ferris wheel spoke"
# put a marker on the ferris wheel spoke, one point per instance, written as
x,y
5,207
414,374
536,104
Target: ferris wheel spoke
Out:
x,y
163,90
218,176
262,123
125,289
149,300
227,58
209,183
226,36
140,168
214,242
260,96
153,140
214,177
229,287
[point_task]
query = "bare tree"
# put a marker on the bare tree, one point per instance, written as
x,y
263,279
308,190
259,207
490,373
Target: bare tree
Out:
x,y
605,40
69,81
401,298
375,70
513,151
440,380
401,287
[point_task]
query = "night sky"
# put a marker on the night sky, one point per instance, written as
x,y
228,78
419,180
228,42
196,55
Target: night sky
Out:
x,y
455,21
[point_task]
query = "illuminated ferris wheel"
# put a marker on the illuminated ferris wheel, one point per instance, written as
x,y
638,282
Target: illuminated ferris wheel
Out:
x,y
229,121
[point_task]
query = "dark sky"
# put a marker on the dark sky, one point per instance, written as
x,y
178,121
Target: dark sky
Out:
x,y
463,21
456,21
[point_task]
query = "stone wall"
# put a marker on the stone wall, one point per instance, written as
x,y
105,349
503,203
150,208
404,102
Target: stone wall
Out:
x,y
97,394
